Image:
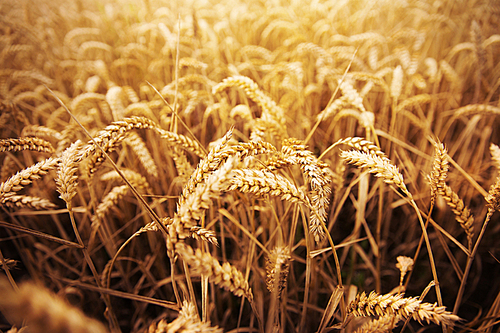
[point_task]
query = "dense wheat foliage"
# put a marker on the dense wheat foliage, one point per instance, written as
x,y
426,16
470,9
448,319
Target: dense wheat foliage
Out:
x,y
249,166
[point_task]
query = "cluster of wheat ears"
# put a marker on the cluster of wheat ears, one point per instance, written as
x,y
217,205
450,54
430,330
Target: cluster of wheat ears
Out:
x,y
249,166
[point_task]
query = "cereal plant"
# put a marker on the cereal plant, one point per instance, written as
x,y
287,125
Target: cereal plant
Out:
x,y
249,166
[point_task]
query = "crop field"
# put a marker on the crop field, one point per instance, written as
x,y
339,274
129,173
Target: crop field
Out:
x,y
249,166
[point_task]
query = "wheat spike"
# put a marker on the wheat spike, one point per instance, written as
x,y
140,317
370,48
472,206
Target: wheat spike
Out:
x,y
26,176
271,112
111,136
361,144
493,198
71,38
139,109
41,132
43,311
203,234
333,108
112,198
246,149
319,177
139,147
277,267
25,201
414,100
28,143
263,183
182,165
439,170
93,83
473,109
194,203
82,101
495,155
396,305
383,324
397,83
352,95
188,321
182,141
102,50
131,175
66,179
115,98
380,166
210,163
404,264
225,275
462,213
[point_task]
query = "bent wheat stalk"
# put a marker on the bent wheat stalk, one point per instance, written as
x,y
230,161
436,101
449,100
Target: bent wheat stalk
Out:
x,y
383,168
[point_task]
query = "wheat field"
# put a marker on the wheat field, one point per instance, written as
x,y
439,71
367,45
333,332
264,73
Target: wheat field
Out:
x,y
249,166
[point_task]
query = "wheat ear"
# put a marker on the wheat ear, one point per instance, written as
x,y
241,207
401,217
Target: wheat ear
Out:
x,y
439,170
495,155
66,179
188,321
139,147
225,275
20,201
210,163
192,206
27,143
462,213
380,166
25,177
263,183
277,268
111,136
396,305
272,115
43,311
404,264
319,177
382,324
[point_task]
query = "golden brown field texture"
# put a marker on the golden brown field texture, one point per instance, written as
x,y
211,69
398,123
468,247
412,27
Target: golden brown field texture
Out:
x,y
249,166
